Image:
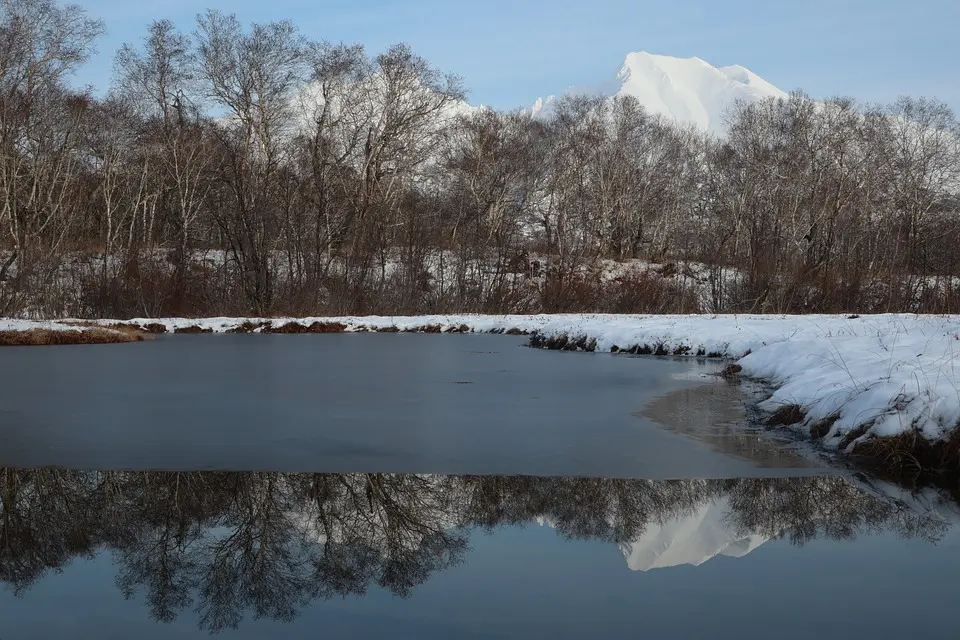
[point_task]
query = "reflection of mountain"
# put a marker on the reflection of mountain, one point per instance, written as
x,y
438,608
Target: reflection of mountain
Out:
x,y
692,538
228,545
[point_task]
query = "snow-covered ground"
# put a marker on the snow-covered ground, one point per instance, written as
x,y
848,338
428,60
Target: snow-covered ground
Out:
x,y
13,324
861,376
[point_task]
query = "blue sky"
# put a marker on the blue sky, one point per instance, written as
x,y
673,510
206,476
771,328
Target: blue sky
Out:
x,y
509,52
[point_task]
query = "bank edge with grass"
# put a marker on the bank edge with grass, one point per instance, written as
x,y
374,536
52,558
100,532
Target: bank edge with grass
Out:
x,y
927,438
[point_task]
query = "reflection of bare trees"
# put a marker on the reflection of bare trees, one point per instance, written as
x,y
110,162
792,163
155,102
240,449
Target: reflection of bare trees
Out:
x,y
802,509
266,544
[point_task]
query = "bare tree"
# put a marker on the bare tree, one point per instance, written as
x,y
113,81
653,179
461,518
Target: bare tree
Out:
x,y
253,76
41,45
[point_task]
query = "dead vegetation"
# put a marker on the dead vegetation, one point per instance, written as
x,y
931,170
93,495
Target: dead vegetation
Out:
x,y
314,327
820,428
301,327
731,371
786,415
908,456
45,337
912,454
563,342
193,329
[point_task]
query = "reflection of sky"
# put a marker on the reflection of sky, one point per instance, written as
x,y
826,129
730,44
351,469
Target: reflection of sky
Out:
x,y
529,582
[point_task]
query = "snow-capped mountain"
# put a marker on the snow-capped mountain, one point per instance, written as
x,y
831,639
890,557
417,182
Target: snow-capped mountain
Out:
x,y
688,90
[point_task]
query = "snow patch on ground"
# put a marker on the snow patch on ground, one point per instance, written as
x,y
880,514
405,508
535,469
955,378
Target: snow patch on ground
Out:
x,y
13,324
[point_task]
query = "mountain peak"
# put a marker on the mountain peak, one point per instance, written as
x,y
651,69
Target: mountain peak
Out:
x,y
688,90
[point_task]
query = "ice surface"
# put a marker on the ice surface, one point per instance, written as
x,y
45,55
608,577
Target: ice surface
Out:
x,y
888,373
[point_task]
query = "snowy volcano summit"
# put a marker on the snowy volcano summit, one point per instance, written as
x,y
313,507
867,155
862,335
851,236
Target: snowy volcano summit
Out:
x,y
688,90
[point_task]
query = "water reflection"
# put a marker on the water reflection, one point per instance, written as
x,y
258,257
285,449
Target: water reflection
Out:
x,y
230,544
715,413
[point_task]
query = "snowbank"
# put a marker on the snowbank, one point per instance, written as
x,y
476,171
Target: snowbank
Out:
x,y
17,333
853,378
12,324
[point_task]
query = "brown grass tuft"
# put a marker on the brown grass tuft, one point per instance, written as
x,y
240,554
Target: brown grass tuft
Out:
x,y
248,327
390,329
786,415
193,329
731,371
562,342
821,428
852,435
131,330
315,327
42,337
912,453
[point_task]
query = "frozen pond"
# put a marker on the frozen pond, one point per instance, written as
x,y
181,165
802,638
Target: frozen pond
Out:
x,y
435,486
358,403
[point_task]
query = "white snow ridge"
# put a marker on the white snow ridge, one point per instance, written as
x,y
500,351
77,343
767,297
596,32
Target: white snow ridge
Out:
x,y
687,90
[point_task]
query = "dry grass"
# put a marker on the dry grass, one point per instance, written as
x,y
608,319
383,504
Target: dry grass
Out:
x,y
248,327
298,326
137,333
92,335
316,327
912,453
731,371
193,329
820,428
853,434
390,329
563,342
786,415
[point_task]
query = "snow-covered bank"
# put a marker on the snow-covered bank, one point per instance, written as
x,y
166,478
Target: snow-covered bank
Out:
x,y
20,333
853,379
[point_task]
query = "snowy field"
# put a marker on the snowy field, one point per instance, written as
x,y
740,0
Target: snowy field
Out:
x,y
856,377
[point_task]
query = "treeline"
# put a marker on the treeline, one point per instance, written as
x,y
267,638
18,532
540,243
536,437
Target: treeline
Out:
x,y
235,170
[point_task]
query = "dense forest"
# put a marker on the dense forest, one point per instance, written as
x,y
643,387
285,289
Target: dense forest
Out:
x,y
247,170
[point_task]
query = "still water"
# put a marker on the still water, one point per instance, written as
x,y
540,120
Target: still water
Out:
x,y
435,487
404,403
